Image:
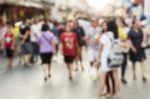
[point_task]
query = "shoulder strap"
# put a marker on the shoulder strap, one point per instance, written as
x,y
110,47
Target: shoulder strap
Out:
x,y
46,39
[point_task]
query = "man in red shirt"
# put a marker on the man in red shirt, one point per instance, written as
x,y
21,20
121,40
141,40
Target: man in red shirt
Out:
x,y
69,48
9,45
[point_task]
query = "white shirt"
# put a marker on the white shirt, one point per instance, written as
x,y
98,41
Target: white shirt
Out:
x,y
106,42
35,33
93,35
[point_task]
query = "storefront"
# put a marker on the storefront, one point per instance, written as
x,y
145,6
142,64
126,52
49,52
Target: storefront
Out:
x,y
21,10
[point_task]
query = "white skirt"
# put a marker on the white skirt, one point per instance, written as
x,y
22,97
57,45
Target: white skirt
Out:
x,y
104,65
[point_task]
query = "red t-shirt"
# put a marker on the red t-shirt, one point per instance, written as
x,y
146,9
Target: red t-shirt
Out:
x,y
8,40
69,42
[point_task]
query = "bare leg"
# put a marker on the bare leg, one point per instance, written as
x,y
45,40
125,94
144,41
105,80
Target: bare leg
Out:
x,y
45,69
80,58
70,68
107,85
102,85
49,70
10,61
27,59
143,70
112,84
76,63
134,70
117,82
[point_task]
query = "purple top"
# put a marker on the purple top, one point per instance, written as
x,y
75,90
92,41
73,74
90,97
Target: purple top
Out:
x,y
45,42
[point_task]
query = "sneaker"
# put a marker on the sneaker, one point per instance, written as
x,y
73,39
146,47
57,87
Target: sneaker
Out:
x,y
70,78
49,75
144,79
124,81
45,79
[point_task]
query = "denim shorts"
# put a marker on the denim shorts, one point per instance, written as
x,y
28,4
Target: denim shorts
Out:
x,y
26,48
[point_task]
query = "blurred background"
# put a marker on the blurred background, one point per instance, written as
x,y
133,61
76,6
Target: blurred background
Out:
x,y
60,9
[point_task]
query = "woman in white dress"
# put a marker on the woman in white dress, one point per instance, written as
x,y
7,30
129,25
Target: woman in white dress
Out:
x,y
104,52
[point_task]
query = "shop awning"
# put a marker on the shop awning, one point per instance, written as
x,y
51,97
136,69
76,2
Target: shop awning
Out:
x,y
30,4
24,3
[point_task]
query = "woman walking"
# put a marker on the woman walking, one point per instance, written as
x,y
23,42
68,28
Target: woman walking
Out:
x,y
137,53
9,45
46,50
123,36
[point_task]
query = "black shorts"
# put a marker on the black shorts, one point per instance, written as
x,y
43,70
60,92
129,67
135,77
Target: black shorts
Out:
x,y
69,59
9,53
46,58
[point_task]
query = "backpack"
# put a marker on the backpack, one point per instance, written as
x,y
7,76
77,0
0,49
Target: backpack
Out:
x,y
115,58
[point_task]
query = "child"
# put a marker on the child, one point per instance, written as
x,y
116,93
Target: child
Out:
x,y
69,47
9,45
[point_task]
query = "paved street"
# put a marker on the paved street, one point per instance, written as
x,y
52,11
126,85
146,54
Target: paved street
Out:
x,y
27,83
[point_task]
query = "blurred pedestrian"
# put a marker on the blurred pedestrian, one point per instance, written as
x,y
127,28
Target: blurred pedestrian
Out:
x,y
109,81
47,49
69,47
26,48
9,45
55,31
3,30
93,36
34,41
109,76
78,30
123,30
15,30
137,52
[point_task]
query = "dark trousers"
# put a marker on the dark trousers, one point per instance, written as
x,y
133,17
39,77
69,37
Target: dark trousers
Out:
x,y
124,65
35,52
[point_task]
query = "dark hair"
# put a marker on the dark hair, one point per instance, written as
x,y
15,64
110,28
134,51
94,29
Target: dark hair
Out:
x,y
134,21
55,23
112,26
45,27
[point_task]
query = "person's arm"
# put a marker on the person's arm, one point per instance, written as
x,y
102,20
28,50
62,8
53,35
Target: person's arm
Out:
x,y
87,36
53,43
132,47
21,36
83,32
26,35
61,44
101,42
61,48
100,52
13,43
130,43
3,43
76,43
35,35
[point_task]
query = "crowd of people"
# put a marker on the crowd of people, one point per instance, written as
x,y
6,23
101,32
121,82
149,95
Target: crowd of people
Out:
x,y
109,42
